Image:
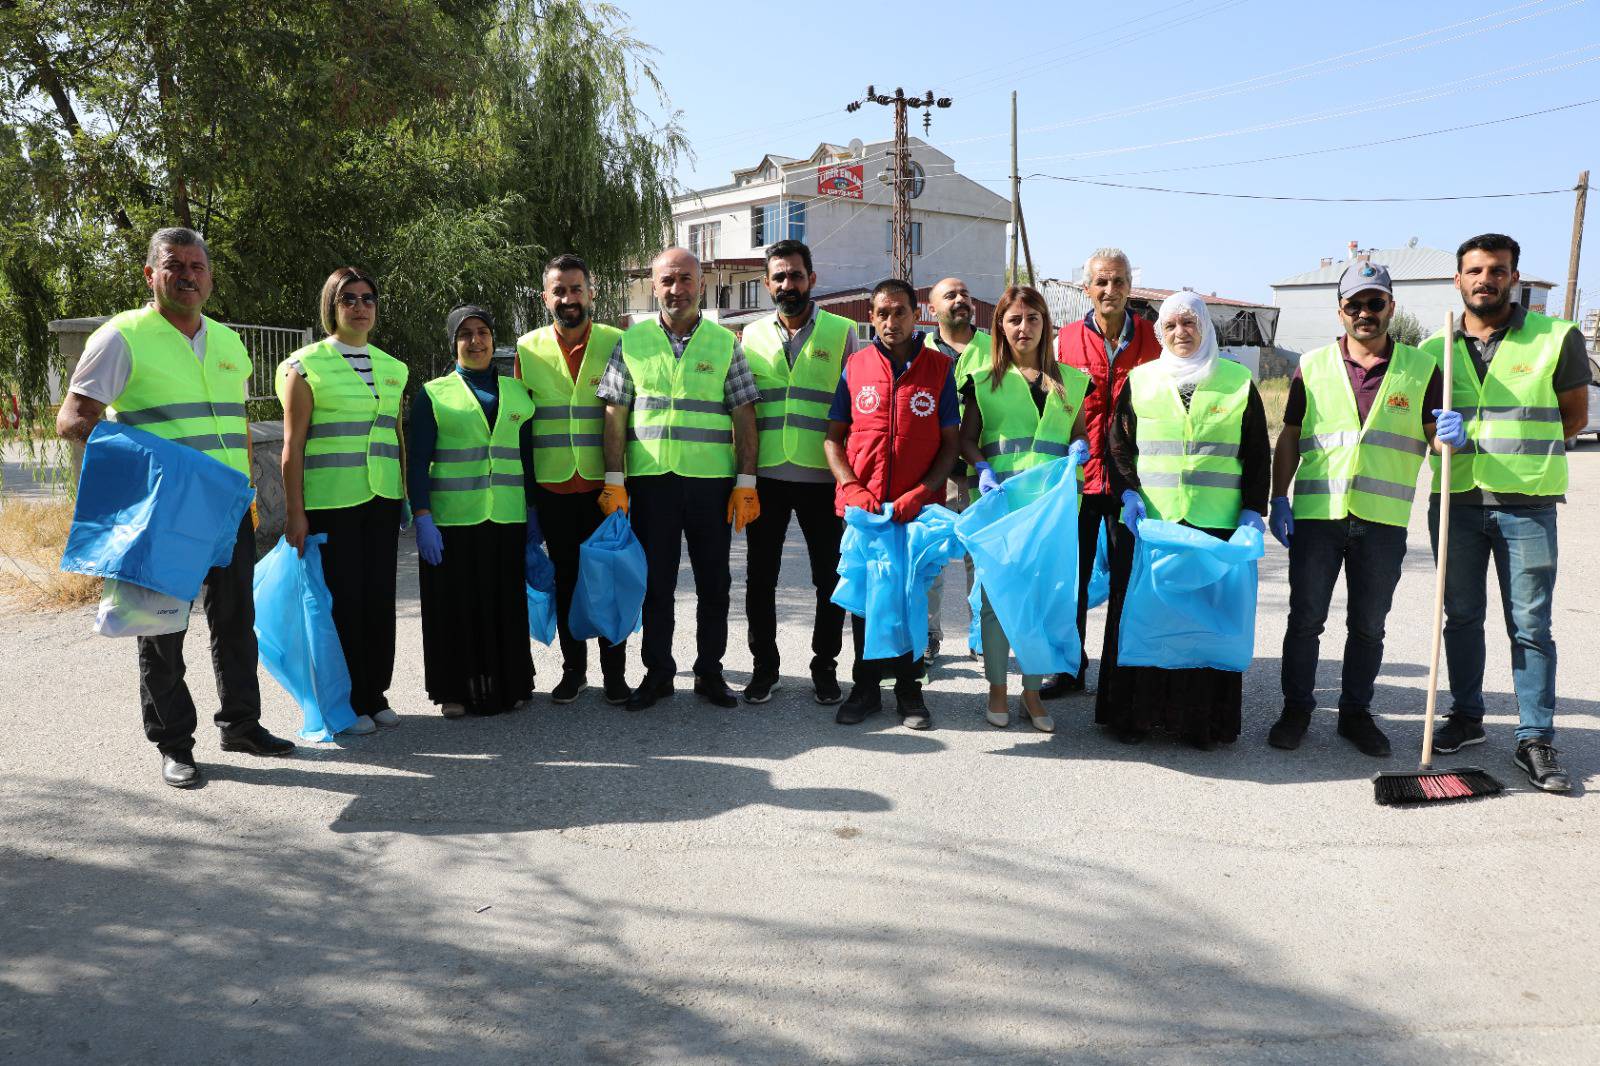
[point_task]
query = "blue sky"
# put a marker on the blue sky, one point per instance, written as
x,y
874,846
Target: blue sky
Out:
x,y
1171,84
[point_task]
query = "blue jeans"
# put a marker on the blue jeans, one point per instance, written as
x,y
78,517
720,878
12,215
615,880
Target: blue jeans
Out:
x,y
1370,554
1522,542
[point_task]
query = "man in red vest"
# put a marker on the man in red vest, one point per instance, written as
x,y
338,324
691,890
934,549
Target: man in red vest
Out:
x,y
1106,344
892,439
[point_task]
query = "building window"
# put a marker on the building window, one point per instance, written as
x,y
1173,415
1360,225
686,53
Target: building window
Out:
x,y
724,297
764,223
705,239
1526,301
749,295
797,220
916,237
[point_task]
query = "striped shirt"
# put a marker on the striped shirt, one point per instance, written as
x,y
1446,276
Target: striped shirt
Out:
x,y
358,358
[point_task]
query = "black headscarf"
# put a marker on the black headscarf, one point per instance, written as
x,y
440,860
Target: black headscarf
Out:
x,y
452,324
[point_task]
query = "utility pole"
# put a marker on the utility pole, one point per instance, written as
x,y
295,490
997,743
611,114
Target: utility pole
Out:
x,y
900,226
1571,307
1016,188
1027,253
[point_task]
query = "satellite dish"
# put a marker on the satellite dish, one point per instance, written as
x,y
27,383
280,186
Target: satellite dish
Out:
x,y
856,147
1412,243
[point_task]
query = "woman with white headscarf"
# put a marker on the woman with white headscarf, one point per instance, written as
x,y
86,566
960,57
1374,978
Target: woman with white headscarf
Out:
x,y
1188,444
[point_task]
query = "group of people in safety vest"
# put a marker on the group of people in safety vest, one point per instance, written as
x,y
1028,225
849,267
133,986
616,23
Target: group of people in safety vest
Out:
x,y
696,434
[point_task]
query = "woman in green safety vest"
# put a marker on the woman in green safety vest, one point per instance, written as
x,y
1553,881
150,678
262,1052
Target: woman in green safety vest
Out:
x,y
343,477
1188,444
1019,410
471,483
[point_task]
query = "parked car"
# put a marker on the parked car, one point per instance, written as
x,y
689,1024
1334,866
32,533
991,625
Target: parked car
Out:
x,y
1594,404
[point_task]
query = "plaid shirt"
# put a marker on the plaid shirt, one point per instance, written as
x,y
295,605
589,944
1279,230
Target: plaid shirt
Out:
x,y
616,384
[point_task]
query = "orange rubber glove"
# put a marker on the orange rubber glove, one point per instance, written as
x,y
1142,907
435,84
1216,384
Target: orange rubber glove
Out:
x,y
909,505
613,498
744,507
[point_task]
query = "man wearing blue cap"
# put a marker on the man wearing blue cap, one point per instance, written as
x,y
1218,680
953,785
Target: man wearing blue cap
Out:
x,y
1356,427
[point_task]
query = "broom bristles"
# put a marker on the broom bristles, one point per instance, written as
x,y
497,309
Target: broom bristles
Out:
x,y
1433,786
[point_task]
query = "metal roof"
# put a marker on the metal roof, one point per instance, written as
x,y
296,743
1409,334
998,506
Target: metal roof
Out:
x,y
1405,264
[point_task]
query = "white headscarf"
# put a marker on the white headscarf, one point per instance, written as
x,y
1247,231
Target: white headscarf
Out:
x,y
1189,371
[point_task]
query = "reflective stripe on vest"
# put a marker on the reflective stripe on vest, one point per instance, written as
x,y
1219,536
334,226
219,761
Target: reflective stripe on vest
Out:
x,y
1515,441
1188,465
792,412
679,423
1347,467
353,443
568,419
1015,435
475,474
179,398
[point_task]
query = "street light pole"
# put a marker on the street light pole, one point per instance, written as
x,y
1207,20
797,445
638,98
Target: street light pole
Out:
x,y
900,221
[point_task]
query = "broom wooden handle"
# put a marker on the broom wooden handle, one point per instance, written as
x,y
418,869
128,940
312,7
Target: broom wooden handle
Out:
x,y
1446,454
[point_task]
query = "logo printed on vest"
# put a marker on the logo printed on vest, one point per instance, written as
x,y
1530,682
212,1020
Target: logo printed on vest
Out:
x,y
702,367
1521,368
867,400
393,383
922,403
594,380
1400,402
516,416
223,364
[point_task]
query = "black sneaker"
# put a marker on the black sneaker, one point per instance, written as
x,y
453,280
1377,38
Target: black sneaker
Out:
x,y
1359,729
1538,760
826,686
1457,732
1289,730
864,700
913,712
761,688
567,691
617,691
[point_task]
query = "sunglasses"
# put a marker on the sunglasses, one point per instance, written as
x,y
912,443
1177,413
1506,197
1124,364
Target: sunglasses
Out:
x,y
1371,303
351,299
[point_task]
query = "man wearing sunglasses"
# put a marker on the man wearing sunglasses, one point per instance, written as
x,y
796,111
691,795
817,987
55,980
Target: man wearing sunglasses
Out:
x,y
1358,422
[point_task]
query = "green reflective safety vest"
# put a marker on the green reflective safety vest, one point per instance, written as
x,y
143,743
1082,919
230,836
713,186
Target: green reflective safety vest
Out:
x,y
792,413
1189,468
973,358
353,442
568,419
1015,435
680,422
1514,437
180,398
1347,467
476,472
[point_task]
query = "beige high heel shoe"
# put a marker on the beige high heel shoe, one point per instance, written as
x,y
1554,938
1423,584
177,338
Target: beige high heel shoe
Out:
x,y
1042,722
999,719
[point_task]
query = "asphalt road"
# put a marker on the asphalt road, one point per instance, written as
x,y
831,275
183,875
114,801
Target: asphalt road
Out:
x,y
693,885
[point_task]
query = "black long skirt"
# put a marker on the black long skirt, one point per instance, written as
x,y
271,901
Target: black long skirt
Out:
x,y
475,648
1199,705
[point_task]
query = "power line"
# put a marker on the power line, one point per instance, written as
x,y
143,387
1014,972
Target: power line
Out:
x,y
1305,199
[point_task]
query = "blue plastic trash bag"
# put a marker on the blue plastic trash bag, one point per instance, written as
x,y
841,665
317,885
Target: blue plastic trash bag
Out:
x,y
1100,576
609,599
154,513
885,568
1023,540
975,621
541,582
1191,599
299,646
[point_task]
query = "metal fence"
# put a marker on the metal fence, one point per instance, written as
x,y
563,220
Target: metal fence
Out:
x,y
268,346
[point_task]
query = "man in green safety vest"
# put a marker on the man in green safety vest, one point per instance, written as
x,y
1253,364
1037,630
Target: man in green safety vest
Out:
x,y
171,371
561,364
796,355
1355,430
1519,391
681,448
958,337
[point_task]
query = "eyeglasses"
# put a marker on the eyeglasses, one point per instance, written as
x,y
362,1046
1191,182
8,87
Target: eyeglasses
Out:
x,y
1371,303
351,299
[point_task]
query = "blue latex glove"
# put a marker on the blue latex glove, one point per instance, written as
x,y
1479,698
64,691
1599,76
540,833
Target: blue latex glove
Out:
x,y
1252,520
535,534
405,515
1282,523
1132,510
987,482
1449,428
1078,451
430,542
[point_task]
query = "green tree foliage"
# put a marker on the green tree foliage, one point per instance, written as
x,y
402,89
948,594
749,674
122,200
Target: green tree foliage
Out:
x,y
1405,329
448,146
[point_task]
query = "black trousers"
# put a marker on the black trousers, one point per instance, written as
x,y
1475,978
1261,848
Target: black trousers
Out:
x,y
1094,512
812,504
567,519
667,510
229,603
905,669
359,561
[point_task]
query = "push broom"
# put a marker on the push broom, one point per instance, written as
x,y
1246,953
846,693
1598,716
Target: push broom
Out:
x,y
1427,785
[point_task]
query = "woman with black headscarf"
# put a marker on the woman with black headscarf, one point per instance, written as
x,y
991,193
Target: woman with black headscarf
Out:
x,y
471,474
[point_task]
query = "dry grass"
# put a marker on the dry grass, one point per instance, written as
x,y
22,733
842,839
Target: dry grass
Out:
x,y
32,536
1274,395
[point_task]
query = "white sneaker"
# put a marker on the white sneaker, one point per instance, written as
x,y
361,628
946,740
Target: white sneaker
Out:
x,y
360,727
453,710
386,717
